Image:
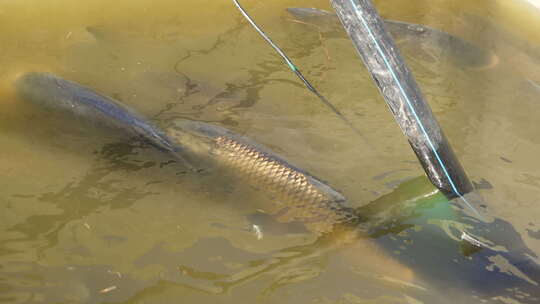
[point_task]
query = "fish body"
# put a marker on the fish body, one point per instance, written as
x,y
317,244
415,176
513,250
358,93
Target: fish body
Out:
x,y
421,39
298,196
414,231
59,95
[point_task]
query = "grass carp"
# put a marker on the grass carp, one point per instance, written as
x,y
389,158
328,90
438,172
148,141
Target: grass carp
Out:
x,y
297,195
414,224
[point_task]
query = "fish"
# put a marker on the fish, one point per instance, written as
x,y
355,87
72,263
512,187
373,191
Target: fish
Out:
x,y
422,40
297,195
412,230
59,95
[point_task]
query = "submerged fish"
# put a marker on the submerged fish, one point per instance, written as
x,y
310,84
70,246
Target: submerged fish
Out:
x,y
417,231
298,196
422,39
60,95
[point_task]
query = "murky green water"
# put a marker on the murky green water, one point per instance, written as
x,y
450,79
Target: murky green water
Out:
x,y
89,216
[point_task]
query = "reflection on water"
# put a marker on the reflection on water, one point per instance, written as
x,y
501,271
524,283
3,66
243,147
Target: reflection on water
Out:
x,y
89,216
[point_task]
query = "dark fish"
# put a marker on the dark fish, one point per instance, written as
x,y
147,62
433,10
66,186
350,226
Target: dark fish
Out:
x,y
60,95
420,38
298,196
418,231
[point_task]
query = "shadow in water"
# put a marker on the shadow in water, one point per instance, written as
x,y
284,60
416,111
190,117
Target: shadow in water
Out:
x,y
96,189
415,225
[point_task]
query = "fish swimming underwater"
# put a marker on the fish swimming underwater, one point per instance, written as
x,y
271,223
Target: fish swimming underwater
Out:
x,y
420,40
59,95
299,196
430,236
418,231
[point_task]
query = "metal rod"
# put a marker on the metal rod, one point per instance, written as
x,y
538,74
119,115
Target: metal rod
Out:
x,y
402,95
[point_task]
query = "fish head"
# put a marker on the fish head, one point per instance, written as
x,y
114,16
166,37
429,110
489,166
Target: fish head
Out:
x,y
48,91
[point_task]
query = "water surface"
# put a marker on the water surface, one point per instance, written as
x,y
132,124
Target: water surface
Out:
x,y
89,216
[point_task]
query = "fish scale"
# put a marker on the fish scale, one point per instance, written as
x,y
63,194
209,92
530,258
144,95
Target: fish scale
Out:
x,y
298,198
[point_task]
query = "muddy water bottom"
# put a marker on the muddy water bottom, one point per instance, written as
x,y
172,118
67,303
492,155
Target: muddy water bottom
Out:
x,y
89,216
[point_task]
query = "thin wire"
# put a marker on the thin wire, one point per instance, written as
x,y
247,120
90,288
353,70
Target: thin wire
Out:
x,y
294,68
406,97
